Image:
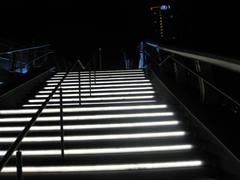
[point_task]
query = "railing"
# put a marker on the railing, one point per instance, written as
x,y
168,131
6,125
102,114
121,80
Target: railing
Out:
x,y
18,141
229,64
25,131
25,57
156,57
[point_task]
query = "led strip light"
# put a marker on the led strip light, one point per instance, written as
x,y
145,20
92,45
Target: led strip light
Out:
x,y
76,72
109,167
98,94
85,76
99,73
91,103
105,150
98,90
92,99
102,86
97,79
100,82
83,109
96,137
92,126
89,117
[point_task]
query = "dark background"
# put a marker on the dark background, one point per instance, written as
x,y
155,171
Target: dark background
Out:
x,y
75,28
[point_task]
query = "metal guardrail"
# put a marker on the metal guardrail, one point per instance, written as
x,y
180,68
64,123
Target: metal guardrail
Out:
x,y
233,65
24,49
227,160
226,63
20,137
16,57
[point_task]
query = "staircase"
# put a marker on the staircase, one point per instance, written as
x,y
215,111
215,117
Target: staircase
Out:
x,y
118,128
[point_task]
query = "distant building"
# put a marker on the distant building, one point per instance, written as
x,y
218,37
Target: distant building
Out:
x,y
163,20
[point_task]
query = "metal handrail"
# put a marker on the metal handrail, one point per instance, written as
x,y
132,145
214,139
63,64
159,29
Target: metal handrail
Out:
x,y
25,49
20,137
35,59
230,64
197,75
207,82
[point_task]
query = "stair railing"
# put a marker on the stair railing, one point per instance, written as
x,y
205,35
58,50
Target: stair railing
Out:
x,y
229,64
228,161
11,56
16,144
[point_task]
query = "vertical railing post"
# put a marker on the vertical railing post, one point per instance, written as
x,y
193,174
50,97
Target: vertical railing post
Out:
x,y
61,123
19,165
95,67
79,87
100,58
200,82
90,88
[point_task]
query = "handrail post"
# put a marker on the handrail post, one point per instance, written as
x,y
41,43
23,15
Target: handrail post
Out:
x,y
200,82
95,67
90,90
19,165
100,58
61,123
26,129
79,87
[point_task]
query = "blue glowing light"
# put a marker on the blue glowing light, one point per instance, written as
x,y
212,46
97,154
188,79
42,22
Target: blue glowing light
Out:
x,y
165,7
141,60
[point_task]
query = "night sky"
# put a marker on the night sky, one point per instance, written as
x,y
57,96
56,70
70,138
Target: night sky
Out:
x,y
78,27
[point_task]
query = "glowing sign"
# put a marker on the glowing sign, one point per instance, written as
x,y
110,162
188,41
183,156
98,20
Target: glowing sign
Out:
x,y
165,7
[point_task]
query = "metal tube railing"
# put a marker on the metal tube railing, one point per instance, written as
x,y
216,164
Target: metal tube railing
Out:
x,y
194,73
61,122
20,137
207,82
25,49
230,64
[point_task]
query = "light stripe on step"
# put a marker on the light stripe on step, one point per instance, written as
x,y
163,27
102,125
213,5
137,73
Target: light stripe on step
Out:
x,y
86,76
103,86
83,109
90,151
98,90
90,117
100,73
97,137
91,103
109,167
99,82
118,70
98,94
92,99
93,126
95,79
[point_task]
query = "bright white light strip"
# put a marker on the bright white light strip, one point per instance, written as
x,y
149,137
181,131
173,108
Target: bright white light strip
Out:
x,y
100,82
105,150
98,94
98,90
97,79
109,167
103,86
96,137
89,117
93,126
84,109
92,99
118,70
85,76
113,73
91,103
